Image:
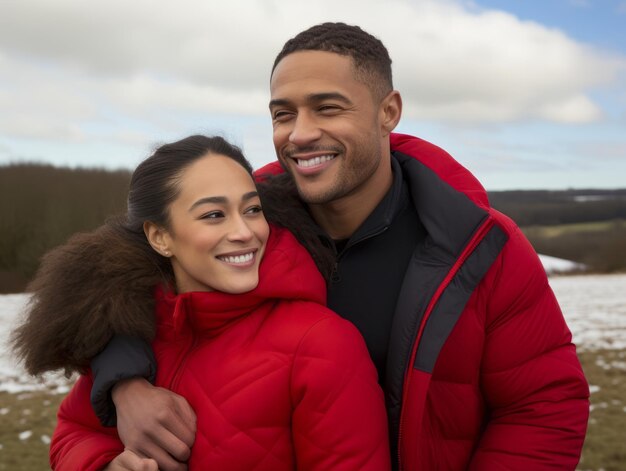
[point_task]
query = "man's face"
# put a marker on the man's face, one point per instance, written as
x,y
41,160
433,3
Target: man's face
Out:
x,y
327,131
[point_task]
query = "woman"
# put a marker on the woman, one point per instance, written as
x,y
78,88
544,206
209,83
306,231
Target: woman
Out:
x,y
277,381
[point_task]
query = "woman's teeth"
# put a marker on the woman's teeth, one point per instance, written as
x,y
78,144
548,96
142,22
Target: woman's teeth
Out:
x,y
245,258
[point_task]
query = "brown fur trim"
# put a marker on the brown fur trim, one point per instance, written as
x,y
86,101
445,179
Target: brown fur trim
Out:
x,y
96,285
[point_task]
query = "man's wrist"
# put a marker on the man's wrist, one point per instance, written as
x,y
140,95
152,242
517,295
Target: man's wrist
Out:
x,y
124,385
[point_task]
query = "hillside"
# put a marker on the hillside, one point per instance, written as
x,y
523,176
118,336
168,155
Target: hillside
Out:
x,y
586,226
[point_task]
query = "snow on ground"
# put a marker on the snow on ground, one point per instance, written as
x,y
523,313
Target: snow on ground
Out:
x,y
593,305
559,265
12,377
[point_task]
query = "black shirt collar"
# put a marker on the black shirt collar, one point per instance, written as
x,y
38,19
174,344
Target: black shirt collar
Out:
x,y
392,203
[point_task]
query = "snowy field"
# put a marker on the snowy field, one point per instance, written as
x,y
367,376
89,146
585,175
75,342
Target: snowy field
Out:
x,y
594,307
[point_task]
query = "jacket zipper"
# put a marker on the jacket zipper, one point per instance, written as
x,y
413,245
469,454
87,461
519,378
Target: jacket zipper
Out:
x,y
334,276
180,367
469,248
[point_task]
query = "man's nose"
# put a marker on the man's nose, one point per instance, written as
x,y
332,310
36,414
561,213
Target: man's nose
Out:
x,y
305,130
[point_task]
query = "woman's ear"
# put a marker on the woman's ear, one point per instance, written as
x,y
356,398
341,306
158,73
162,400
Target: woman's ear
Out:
x,y
390,111
158,238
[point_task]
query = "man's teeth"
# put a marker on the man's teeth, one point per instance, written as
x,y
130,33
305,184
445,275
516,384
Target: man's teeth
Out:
x,y
315,161
238,258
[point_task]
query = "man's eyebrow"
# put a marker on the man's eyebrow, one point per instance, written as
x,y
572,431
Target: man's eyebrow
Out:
x,y
222,199
279,102
313,98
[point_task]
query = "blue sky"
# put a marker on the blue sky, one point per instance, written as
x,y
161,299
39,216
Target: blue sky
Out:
x,y
598,22
525,94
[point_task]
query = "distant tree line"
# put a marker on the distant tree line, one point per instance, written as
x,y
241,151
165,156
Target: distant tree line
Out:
x,y
41,206
543,208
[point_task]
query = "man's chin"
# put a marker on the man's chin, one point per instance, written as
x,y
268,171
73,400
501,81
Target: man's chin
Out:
x,y
314,194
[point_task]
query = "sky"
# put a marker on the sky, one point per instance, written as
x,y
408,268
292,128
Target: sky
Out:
x,y
527,95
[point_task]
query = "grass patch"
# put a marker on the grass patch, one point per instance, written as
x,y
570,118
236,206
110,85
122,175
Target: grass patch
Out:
x,y
33,412
601,246
562,229
604,448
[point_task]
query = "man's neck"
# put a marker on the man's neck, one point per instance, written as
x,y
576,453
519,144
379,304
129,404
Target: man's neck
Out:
x,y
342,217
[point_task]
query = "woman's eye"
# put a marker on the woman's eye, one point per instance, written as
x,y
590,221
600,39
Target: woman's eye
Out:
x,y
254,210
212,215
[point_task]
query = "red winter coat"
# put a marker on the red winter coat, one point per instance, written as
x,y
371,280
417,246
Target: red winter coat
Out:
x,y
481,371
278,382
492,380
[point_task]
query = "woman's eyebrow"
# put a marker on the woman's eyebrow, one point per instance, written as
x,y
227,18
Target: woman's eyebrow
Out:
x,y
222,199
209,199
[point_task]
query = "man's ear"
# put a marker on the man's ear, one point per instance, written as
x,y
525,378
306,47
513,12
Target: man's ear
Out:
x,y
390,112
158,238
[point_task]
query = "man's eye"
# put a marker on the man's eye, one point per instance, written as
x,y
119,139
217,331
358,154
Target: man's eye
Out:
x,y
280,115
328,108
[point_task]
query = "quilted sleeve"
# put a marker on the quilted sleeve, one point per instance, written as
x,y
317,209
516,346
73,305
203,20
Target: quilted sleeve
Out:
x,y
339,420
536,393
79,442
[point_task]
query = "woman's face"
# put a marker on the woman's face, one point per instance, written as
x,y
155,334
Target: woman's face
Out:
x,y
217,232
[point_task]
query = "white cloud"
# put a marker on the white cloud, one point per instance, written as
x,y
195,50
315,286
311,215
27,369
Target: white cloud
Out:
x,y
573,109
224,44
68,67
144,94
491,67
42,102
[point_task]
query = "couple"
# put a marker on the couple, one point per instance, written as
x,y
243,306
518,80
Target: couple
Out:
x,y
471,350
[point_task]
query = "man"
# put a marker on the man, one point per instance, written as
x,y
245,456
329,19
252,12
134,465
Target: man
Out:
x,y
471,348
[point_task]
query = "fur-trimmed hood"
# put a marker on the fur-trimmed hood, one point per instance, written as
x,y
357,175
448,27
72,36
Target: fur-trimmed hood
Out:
x,y
95,285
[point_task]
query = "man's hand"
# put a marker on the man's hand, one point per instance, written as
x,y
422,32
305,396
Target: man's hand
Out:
x,y
129,461
154,422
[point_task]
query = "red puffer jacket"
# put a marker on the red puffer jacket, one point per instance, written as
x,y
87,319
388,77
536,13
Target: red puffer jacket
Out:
x,y
481,370
278,382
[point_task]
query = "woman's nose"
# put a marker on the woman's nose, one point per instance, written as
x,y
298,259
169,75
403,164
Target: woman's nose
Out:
x,y
240,230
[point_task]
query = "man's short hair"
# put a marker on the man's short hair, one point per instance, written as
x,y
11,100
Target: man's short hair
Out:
x,y
370,59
